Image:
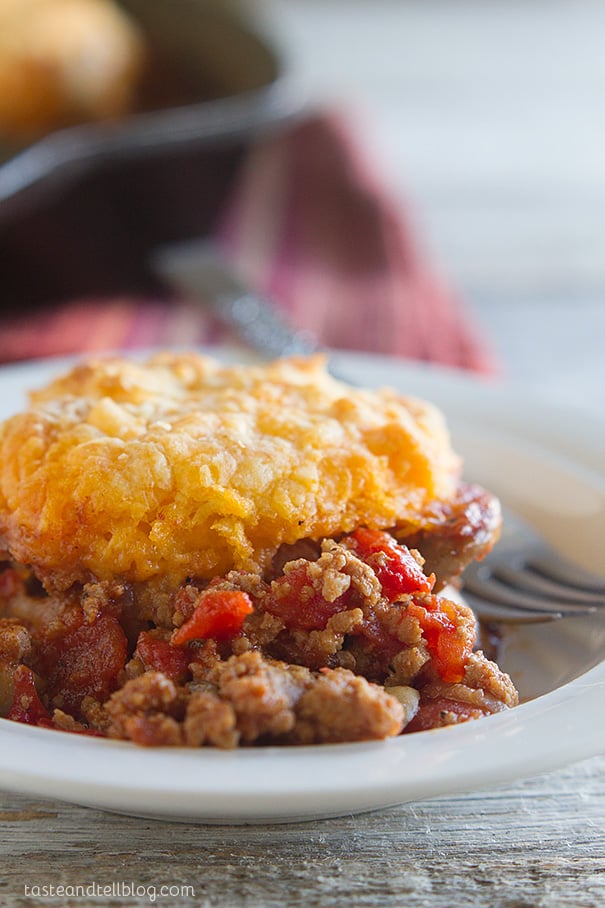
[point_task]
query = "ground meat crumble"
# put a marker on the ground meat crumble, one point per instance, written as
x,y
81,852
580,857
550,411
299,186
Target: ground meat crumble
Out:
x,y
343,641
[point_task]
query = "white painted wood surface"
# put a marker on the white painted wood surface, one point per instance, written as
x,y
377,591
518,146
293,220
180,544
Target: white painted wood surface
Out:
x,y
490,116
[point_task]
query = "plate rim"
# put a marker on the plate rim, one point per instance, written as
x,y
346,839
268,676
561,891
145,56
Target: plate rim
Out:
x,y
257,798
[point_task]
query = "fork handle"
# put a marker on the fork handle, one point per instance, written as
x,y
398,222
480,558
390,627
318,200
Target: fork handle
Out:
x,y
198,271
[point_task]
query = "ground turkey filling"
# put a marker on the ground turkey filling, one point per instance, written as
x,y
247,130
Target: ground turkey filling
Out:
x,y
343,641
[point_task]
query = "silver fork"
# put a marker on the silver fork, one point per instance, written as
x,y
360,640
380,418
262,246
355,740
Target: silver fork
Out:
x,y
198,270
524,580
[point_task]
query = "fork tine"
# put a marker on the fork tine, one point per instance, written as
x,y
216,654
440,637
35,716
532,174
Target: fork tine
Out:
x,y
488,588
523,547
530,581
568,574
492,611
524,580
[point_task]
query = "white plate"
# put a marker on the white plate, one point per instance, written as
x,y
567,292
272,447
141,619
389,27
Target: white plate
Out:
x,y
548,464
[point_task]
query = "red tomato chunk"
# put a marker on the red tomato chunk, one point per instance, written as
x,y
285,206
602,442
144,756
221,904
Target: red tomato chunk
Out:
x,y
299,605
397,570
449,643
431,714
27,706
84,661
219,614
160,655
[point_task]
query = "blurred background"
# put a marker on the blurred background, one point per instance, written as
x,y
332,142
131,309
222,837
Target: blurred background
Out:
x,y
418,178
489,120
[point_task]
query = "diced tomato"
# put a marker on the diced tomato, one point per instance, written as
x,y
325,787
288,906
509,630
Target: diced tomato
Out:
x,y
27,706
430,714
84,661
219,614
299,605
160,655
380,640
397,570
449,641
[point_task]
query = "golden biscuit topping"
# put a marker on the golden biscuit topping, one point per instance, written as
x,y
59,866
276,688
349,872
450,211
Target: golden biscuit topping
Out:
x,y
182,467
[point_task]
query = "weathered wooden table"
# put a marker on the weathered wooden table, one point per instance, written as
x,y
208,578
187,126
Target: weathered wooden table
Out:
x,y
520,234
538,843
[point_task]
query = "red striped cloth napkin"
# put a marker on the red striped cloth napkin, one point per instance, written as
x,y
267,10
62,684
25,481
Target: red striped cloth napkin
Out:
x,y
311,224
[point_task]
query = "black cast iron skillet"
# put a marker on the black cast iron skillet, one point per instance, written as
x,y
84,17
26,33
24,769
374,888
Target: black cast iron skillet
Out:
x,y
81,209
